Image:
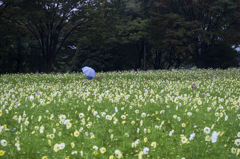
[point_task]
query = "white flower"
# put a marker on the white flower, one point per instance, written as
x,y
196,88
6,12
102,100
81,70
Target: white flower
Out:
x,y
66,121
116,109
171,132
214,137
184,139
41,129
61,146
68,125
178,118
95,148
51,116
118,153
152,100
226,118
237,142
123,116
154,144
81,115
3,142
95,113
233,150
62,117
238,134
144,130
145,150
108,117
136,111
17,144
209,108
206,130
137,130
103,114
31,97
189,114
192,136
143,115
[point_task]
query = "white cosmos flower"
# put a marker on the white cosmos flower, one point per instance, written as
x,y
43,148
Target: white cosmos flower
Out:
x,y
145,150
41,129
123,116
81,115
3,142
144,130
237,142
192,136
61,146
178,118
108,117
152,100
118,153
62,117
66,121
238,134
189,114
214,137
116,109
207,130
226,118
137,130
95,148
143,115
162,111
31,97
171,132
95,113
103,114
68,125
51,116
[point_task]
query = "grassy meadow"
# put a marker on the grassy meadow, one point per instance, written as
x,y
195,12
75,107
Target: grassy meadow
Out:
x,y
165,114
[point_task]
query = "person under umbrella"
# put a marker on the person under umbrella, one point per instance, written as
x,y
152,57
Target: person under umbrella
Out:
x,y
89,72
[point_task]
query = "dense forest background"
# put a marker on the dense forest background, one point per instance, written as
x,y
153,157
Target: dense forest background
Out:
x,y
107,35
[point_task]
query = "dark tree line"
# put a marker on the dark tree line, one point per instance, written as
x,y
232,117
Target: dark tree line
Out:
x,y
65,35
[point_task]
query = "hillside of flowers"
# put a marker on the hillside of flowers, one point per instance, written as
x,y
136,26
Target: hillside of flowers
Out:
x,y
176,114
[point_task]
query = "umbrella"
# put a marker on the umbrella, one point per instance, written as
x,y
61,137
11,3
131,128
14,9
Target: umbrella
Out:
x,y
88,71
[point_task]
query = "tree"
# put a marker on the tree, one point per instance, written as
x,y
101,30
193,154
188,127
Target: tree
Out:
x,y
52,22
195,26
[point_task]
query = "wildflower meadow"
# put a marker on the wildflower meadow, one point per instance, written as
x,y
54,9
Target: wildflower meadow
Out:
x,y
165,114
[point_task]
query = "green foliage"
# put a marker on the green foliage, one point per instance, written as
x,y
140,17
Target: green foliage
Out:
x,y
223,57
179,113
194,27
110,35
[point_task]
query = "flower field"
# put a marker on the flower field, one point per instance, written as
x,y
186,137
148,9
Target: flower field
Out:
x,y
131,114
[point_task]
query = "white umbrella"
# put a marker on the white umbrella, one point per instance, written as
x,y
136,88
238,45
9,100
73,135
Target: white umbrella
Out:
x,y
88,71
